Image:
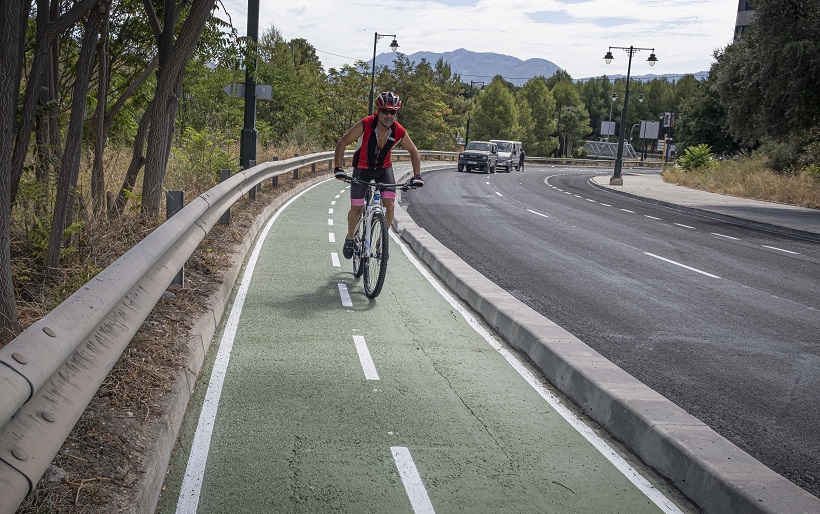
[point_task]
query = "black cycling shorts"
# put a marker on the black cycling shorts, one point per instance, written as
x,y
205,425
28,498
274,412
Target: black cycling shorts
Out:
x,y
380,175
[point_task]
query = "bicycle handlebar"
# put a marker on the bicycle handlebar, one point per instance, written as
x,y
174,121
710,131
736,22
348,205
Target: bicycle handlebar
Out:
x,y
406,186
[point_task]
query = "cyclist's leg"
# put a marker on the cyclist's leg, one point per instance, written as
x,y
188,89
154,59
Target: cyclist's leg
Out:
x,y
356,203
389,195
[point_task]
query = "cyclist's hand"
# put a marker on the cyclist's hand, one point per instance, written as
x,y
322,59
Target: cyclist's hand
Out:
x,y
339,173
417,182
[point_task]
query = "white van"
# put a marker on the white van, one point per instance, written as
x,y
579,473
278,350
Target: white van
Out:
x,y
508,153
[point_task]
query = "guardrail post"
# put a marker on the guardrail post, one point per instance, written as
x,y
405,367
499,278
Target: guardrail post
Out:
x,y
226,217
257,187
275,180
296,171
174,201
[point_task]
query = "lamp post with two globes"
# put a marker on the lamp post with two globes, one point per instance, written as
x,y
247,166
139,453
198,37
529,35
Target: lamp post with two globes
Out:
x,y
393,46
616,178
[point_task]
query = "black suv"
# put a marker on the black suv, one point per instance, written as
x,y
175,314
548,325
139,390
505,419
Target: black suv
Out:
x,y
481,155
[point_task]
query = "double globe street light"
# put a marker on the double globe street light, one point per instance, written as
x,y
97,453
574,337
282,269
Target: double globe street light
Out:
x,y
617,179
393,46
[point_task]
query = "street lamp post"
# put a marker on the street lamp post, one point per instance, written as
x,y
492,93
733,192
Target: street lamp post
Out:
x,y
616,178
393,46
470,111
614,97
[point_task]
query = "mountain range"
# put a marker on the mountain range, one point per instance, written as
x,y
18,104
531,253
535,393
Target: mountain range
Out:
x,y
483,66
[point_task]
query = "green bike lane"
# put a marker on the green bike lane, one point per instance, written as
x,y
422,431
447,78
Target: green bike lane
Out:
x,y
404,403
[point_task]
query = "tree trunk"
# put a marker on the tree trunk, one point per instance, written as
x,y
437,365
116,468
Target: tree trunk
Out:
x,y
173,60
10,62
100,132
137,161
70,163
35,80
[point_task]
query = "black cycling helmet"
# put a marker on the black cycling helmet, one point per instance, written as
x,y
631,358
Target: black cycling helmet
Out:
x,y
388,100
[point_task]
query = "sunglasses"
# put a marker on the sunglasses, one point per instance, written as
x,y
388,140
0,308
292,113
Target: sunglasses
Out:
x,y
390,112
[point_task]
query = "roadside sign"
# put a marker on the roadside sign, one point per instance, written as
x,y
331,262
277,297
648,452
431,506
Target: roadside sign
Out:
x,y
237,90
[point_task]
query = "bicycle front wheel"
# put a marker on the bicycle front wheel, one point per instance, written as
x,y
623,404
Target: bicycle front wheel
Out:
x,y
359,258
375,267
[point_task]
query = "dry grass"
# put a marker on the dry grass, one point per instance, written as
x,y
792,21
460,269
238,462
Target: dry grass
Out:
x,y
749,177
100,462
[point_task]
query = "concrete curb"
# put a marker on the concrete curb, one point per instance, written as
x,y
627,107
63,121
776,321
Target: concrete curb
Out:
x,y
711,471
715,215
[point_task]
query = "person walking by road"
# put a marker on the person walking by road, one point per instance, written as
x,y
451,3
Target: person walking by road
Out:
x,y
521,156
377,134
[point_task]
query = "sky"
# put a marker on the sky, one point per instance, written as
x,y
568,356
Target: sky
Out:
x,y
573,34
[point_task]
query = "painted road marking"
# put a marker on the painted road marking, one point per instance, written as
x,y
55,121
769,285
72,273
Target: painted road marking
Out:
x,y
582,428
499,194
368,367
538,213
345,294
727,237
330,221
330,211
651,217
412,480
331,237
333,202
334,258
781,250
195,470
591,200
337,196
681,265
627,210
684,226
606,205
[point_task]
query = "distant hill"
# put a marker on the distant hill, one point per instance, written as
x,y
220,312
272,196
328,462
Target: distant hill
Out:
x,y
483,66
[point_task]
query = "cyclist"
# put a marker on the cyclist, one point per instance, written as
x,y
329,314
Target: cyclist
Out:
x,y
377,135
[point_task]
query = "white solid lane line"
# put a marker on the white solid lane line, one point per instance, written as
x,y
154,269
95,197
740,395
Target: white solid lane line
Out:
x,y
582,428
345,295
727,237
334,258
368,367
195,470
780,249
538,213
681,265
412,480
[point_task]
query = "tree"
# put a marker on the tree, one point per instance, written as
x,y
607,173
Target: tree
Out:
x,y
496,115
542,107
702,120
571,115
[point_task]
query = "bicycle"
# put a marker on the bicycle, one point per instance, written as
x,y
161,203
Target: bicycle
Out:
x,y
371,239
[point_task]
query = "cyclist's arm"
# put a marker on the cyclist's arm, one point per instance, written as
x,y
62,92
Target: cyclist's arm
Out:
x,y
354,133
410,146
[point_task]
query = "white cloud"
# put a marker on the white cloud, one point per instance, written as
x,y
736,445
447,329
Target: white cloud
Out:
x,y
573,34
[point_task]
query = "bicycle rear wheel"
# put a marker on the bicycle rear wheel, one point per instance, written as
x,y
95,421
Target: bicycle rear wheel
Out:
x,y
359,259
375,267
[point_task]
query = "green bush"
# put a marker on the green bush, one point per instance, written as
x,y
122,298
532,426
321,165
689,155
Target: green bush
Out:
x,y
696,158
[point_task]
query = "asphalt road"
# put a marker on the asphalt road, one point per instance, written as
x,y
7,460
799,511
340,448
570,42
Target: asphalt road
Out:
x,y
721,319
321,400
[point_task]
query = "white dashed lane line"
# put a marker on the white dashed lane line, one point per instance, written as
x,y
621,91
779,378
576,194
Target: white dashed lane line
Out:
x,y
366,360
684,226
681,265
780,249
651,217
345,295
331,237
334,258
499,194
727,237
538,213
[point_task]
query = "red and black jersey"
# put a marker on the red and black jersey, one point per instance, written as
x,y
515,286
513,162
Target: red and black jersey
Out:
x,y
372,158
